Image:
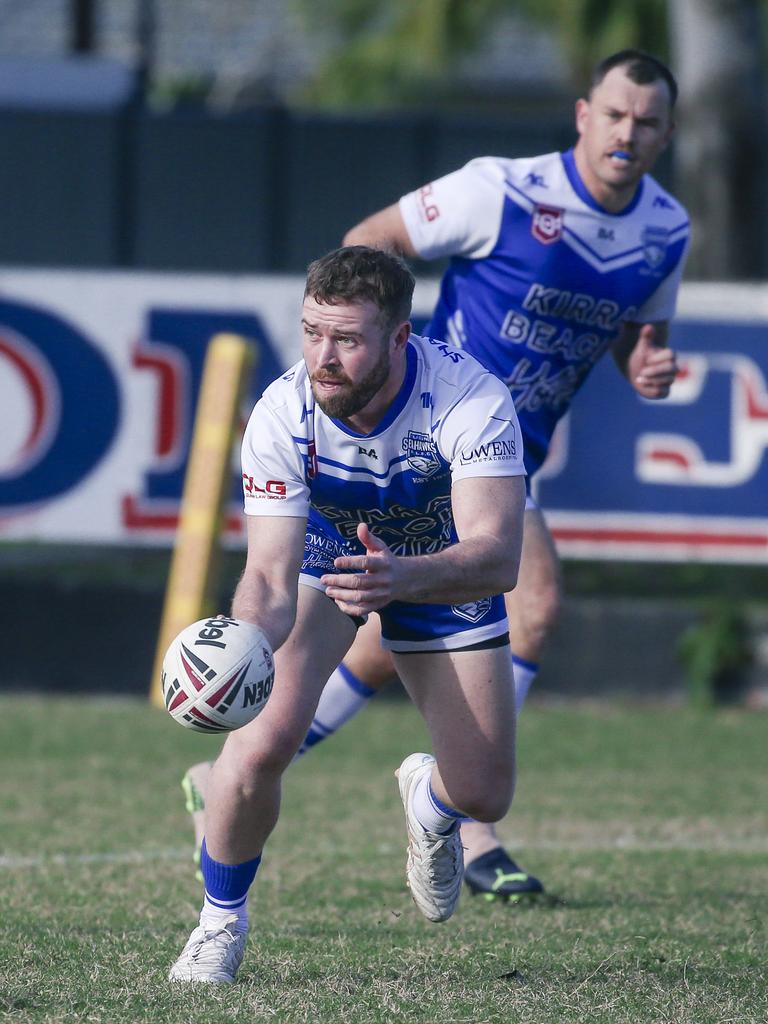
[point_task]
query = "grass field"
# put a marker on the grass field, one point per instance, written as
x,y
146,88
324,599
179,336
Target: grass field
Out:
x,y
649,827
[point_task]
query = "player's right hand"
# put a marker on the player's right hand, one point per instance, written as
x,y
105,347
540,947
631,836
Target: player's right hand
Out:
x,y
366,582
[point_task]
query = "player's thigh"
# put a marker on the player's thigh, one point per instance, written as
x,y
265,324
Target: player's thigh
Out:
x,y
320,638
468,703
367,659
539,579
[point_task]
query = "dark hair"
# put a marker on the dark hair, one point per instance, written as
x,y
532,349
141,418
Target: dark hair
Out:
x,y
641,68
356,272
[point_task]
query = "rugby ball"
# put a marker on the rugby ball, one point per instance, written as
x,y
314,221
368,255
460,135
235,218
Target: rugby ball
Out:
x,y
217,674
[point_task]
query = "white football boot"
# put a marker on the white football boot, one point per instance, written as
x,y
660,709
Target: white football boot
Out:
x,y
212,954
435,864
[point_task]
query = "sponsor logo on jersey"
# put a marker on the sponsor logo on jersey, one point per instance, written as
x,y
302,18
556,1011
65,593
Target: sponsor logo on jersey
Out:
x,y
421,453
655,242
320,549
547,223
272,488
473,611
491,451
429,208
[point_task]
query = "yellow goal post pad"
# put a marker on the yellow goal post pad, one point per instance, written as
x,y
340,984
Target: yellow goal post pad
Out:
x,y
190,591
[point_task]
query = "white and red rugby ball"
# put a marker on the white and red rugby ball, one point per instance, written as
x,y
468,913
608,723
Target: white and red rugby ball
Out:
x,y
217,674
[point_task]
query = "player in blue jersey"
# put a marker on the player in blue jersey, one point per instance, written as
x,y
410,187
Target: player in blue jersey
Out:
x,y
383,472
554,260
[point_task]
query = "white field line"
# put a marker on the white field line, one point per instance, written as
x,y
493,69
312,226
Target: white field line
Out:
x,y
746,847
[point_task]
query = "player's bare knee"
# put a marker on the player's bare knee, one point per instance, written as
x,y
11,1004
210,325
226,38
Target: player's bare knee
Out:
x,y
492,807
271,756
536,621
488,803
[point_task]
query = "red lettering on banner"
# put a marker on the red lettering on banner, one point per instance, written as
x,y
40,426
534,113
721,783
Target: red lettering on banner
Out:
x,y
165,516
169,427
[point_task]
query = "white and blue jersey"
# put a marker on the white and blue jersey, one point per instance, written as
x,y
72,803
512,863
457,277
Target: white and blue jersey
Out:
x,y
451,420
541,277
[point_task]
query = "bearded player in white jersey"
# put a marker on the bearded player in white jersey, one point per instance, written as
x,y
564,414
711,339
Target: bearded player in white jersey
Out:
x,y
401,492
555,260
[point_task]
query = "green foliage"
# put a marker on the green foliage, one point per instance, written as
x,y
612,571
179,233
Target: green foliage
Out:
x,y
393,53
716,651
589,30
389,53
647,825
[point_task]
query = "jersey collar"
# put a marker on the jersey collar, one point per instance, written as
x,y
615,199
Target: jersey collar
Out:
x,y
581,190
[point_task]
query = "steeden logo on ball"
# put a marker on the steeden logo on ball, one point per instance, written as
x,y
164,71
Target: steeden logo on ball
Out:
x,y
217,674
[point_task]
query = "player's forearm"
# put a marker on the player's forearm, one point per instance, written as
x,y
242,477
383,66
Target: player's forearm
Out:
x,y
477,567
383,230
272,607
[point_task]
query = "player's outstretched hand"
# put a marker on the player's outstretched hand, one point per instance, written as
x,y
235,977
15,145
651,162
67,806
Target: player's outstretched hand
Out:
x,y
366,582
652,368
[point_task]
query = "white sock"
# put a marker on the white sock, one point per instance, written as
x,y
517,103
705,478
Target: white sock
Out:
x,y
342,697
429,811
212,916
525,673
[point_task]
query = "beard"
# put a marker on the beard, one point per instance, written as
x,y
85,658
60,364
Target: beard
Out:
x,y
351,398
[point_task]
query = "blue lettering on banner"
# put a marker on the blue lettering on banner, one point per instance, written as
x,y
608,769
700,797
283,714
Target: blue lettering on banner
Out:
x,y
77,404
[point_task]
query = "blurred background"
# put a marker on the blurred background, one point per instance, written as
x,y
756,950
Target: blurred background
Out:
x,y
171,166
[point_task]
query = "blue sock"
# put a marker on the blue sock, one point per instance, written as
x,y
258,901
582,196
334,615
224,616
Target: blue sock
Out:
x,y
342,697
226,886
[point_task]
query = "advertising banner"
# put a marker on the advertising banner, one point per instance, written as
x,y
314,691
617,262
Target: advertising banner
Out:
x,y
100,373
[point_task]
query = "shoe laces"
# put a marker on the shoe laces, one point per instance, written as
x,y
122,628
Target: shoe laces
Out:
x,y
440,855
214,941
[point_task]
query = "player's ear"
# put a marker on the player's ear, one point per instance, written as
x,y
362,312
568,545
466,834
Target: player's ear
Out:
x,y
402,334
582,111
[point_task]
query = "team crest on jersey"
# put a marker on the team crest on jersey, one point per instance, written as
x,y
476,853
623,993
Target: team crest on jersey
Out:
x,y
421,453
547,223
655,242
474,610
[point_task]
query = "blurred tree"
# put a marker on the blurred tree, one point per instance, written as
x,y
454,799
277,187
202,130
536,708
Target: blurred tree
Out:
x,y
589,30
720,152
388,52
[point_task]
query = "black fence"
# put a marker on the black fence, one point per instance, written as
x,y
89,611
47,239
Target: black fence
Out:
x,y
191,190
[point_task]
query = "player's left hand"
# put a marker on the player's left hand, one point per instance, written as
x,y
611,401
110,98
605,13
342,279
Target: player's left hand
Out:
x,y
651,368
366,582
